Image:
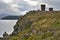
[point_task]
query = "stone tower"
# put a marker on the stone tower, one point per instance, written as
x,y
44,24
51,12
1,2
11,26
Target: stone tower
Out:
x,y
50,9
43,7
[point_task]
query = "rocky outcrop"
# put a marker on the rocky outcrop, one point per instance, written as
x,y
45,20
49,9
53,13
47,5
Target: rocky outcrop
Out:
x,y
1,38
5,36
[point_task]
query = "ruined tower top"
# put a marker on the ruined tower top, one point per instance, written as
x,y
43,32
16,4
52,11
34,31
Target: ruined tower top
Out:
x,y
43,7
50,9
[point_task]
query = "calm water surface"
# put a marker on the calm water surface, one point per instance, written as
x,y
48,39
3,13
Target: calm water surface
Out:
x,y
7,26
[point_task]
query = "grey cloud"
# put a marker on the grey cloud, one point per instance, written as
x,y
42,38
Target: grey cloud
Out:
x,y
24,6
6,8
51,3
54,3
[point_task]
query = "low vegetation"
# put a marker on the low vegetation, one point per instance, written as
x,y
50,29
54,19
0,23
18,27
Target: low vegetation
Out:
x,y
37,25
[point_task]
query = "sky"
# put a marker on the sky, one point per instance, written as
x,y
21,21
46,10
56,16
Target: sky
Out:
x,y
20,7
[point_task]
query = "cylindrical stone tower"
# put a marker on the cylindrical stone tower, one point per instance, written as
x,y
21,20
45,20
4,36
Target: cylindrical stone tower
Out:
x,y
50,9
43,7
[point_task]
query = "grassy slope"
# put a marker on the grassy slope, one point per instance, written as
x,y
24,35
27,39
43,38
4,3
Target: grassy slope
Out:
x,y
39,26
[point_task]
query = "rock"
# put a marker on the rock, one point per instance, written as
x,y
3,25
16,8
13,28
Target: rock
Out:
x,y
5,34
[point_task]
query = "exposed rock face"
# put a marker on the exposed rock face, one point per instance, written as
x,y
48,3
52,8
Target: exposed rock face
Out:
x,y
37,25
5,34
1,38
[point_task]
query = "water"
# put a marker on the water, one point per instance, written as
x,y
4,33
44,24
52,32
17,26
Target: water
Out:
x,y
7,26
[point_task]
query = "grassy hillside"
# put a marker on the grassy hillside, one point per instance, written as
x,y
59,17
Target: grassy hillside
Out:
x,y
37,25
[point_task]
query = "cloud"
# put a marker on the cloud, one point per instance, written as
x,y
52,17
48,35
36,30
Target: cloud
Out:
x,y
8,1
53,3
8,7
18,7
32,3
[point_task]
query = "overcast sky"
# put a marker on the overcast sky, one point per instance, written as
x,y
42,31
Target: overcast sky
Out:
x,y
20,7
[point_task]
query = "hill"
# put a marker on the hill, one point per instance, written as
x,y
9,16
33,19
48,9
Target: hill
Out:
x,y
37,25
10,17
3,15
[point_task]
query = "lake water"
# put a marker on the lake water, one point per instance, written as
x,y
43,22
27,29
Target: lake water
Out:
x,y
7,26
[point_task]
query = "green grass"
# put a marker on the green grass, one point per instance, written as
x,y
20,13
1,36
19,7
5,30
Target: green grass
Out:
x,y
39,26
